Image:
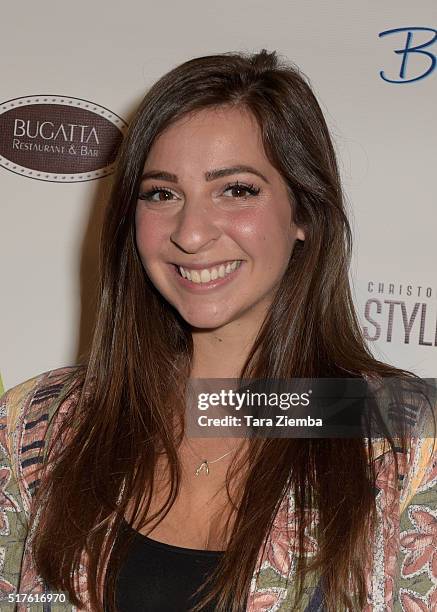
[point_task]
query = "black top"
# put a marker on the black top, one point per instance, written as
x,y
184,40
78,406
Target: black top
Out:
x,y
159,577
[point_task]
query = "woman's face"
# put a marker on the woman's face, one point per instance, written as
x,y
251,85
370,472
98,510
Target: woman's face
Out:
x,y
214,223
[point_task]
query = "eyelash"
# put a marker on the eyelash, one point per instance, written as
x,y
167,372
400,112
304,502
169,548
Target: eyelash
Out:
x,y
147,195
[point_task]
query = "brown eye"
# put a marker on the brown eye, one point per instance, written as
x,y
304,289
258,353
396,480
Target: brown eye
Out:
x,y
239,190
163,195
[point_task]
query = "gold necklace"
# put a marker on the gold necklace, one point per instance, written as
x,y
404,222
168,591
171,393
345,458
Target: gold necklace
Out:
x,y
204,466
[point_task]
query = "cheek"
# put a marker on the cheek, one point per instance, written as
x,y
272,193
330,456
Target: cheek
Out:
x,y
264,234
150,235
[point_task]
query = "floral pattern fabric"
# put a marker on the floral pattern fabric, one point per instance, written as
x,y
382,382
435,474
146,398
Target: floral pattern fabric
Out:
x,y
402,575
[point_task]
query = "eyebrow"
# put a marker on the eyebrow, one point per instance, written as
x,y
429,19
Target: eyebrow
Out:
x,y
211,175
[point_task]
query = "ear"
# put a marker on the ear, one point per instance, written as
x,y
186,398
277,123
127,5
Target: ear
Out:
x,y
300,234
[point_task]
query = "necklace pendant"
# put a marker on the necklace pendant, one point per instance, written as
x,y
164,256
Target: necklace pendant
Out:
x,y
203,466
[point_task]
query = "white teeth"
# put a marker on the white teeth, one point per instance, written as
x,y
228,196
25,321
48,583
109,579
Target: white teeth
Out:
x,y
206,275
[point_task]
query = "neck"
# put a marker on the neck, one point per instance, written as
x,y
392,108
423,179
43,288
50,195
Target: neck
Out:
x,y
222,352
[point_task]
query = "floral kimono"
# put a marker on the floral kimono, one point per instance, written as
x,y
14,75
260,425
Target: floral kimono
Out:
x,y
403,575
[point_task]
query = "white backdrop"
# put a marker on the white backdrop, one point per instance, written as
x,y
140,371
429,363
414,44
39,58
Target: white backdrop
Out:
x,y
385,133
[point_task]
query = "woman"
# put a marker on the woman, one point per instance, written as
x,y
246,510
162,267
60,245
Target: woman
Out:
x,y
225,254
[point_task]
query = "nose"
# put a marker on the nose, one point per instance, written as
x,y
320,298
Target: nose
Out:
x,y
196,226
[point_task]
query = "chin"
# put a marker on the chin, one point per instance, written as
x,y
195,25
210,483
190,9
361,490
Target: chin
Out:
x,y
205,320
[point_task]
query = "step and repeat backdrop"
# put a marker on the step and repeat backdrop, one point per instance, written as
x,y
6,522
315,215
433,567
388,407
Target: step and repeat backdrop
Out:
x,y
72,75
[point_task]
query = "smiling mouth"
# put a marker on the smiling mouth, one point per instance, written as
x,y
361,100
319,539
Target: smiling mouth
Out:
x,y
206,275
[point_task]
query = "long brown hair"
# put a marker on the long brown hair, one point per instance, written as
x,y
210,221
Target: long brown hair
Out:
x,y
141,354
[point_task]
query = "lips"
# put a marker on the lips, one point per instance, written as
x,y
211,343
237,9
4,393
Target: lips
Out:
x,y
205,265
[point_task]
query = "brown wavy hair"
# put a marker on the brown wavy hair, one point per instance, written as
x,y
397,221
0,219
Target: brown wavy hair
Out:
x,y
141,355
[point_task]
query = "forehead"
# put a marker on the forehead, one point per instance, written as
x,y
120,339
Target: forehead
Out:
x,y
210,136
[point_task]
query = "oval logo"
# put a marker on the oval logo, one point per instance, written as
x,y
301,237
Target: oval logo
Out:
x,y
59,139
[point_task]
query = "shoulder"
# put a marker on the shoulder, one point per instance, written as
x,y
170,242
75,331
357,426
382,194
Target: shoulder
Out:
x,y
414,406
35,396
421,474
26,412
